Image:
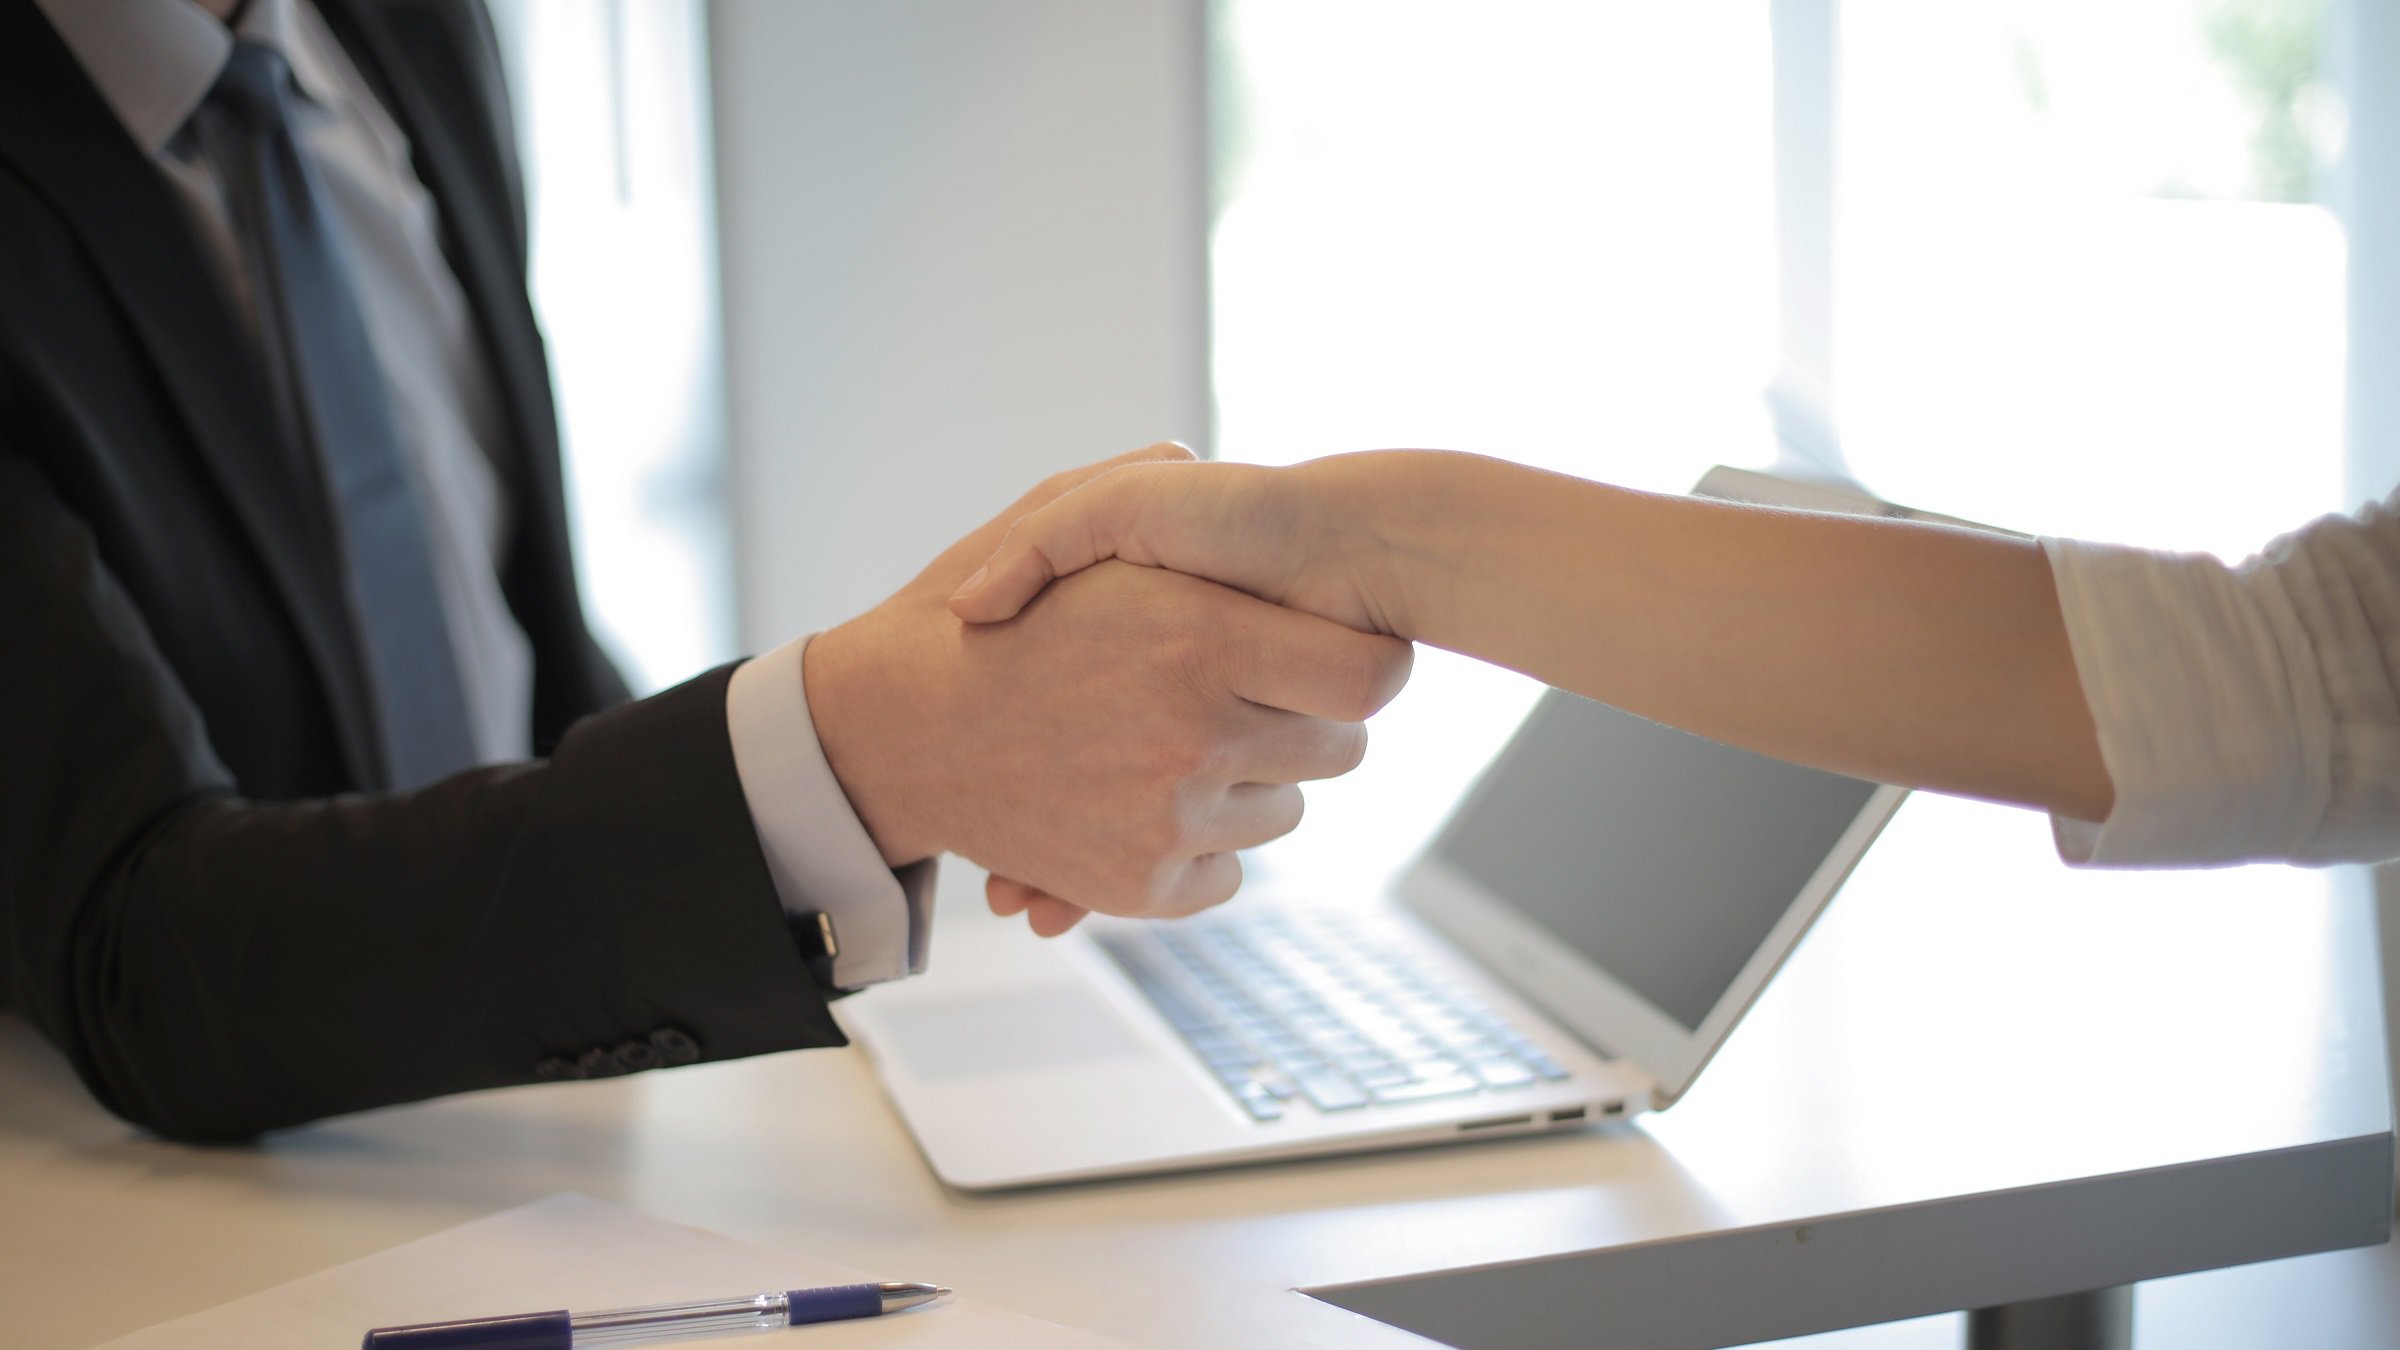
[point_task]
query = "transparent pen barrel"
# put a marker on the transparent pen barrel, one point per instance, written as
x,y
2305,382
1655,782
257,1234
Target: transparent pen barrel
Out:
x,y
674,1321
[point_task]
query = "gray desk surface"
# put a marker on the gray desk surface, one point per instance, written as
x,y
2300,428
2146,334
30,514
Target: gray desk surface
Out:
x,y
1983,1078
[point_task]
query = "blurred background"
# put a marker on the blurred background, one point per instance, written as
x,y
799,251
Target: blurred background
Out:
x,y
827,284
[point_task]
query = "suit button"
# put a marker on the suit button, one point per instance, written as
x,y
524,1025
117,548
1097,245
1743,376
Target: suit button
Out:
x,y
675,1046
555,1070
598,1063
635,1056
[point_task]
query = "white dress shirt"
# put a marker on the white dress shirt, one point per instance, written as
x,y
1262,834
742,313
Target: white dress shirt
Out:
x,y
2246,713
154,62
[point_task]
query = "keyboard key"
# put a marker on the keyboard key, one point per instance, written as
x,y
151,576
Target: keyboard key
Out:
x,y
1503,1073
1258,1100
1427,1089
1331,1091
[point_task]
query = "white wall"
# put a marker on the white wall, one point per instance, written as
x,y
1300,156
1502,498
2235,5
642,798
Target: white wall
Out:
x,y
962,245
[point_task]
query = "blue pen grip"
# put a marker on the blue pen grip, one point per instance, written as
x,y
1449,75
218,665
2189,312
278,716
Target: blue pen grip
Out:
x,y
532,1331
836,1303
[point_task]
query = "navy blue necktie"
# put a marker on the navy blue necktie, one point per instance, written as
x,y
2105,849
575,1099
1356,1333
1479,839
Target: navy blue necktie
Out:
x,y
310,310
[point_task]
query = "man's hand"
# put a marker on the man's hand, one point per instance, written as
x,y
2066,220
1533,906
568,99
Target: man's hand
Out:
x,y
1111,746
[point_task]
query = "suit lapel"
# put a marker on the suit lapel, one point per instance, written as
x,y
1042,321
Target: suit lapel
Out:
x,y
58,133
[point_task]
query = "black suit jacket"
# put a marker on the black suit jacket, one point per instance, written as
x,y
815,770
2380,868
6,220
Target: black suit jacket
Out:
x,y
204,901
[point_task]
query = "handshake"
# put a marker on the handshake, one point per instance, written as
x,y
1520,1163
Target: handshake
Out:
x,y
1103,741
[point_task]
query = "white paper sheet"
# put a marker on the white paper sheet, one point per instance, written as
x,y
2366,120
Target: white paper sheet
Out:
x,y
574,1252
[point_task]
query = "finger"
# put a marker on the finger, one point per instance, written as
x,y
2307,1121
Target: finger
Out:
x,y
1060,484
1272,745
1285,659
1045,913
1050,916
1069,534
1250,814
1206,881
1007,898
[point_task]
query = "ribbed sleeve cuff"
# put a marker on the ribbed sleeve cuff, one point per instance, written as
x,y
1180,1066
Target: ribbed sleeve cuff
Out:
x,y
2186,664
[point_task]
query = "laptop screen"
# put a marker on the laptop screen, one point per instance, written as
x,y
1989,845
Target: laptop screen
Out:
x,y
1661,857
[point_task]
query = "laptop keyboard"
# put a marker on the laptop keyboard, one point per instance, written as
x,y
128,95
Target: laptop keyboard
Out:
x,y
1287,1008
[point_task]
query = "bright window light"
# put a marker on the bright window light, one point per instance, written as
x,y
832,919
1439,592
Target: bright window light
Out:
x,y
2081,285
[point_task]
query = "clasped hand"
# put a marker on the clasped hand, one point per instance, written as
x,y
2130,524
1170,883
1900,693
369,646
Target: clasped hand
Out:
x,y
1111,745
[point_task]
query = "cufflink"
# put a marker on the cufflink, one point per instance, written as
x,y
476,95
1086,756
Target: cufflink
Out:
x,y
814,935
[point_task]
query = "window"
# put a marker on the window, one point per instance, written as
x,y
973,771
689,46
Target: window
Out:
x,y
2084,284
2078,280
1542,229
612,105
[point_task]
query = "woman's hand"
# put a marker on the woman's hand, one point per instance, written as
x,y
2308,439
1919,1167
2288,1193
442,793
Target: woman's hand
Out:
x,y
1888,650
1303,537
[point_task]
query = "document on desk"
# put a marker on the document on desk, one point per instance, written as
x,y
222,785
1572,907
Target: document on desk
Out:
x,y
582,1254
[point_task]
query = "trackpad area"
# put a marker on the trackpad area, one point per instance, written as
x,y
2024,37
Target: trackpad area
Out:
x,y
999,1031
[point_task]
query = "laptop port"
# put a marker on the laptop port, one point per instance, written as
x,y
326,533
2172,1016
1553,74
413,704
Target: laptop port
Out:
x,y
1567,1116
1613,1109
1495,1123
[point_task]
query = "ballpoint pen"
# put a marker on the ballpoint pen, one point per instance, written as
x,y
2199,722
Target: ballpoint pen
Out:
x,y
562,1330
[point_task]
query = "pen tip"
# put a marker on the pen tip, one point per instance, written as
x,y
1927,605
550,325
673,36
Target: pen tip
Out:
x,y
941,1291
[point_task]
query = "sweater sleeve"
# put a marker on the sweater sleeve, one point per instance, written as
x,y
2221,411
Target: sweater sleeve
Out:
x,y
2246,713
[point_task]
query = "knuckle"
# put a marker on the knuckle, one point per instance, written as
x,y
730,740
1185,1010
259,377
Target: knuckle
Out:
x,y
1180,754
1187,656
1161,836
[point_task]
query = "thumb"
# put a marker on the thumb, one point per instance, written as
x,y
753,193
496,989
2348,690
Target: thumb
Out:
x,y
1060,484
1080,528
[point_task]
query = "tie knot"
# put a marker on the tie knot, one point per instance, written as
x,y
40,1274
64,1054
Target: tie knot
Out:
x,y
254,85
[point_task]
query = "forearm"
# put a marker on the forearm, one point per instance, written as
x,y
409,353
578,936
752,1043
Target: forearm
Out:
x,y
1900,652
220,967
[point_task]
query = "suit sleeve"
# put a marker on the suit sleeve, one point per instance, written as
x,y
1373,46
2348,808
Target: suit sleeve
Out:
x,y
216,967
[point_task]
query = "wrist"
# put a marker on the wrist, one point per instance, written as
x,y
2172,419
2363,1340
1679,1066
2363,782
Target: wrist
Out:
x,y
855,701
1385,510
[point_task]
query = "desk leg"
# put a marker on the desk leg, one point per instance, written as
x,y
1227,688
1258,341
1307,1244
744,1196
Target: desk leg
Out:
x,y
2097,1319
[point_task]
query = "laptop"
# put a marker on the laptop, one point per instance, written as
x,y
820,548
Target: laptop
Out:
x,y
1572,947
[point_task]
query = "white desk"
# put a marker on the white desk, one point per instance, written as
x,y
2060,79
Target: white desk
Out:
x,y
1908,1123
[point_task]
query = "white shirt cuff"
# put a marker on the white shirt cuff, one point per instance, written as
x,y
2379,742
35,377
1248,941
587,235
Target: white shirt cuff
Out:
x,y
819,855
